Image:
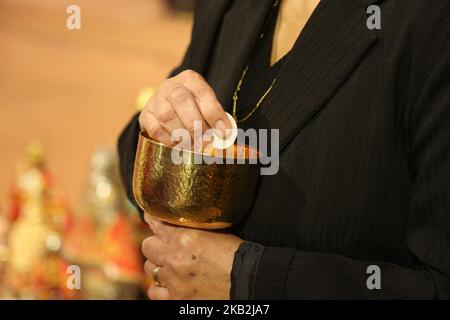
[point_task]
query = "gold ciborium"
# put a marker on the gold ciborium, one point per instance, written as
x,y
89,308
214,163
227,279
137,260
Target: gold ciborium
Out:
x,y
202,195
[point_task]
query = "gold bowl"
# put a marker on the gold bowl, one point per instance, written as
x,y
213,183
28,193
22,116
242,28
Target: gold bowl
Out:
x,y
193,194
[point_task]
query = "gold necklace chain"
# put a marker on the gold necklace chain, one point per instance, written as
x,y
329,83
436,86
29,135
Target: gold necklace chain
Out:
x,y
236,97
238,88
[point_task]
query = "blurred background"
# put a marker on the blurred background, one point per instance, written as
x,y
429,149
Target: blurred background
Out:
x,y
65,95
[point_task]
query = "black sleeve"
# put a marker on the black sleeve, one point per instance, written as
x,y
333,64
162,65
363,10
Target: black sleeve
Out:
x,y
127,146
245,268
286,273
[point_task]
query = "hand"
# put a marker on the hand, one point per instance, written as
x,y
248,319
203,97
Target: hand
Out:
x,y
194,264
178,103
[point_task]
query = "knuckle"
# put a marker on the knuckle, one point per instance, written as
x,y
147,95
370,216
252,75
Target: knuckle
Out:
x,y
153,130
193,125
188,239
180,94
175,261
202,91
172,261
165,84
190,74
181,265
212,112
165,114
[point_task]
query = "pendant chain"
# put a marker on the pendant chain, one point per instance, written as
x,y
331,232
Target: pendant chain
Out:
x,y
238,89
258,104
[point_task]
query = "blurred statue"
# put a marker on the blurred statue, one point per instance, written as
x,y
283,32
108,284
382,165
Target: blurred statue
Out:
x,y
104,241
39,218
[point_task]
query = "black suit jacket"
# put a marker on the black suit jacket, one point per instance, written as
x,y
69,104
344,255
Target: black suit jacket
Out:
x,y
364,119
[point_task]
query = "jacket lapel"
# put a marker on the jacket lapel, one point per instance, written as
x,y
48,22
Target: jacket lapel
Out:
x,y
240,30
330,47
207,21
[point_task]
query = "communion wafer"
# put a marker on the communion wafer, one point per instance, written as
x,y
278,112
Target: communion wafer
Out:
x,y
221,143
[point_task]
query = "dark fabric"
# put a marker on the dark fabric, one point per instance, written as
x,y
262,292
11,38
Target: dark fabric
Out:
x,y
272,276
127,146
245,269
364,119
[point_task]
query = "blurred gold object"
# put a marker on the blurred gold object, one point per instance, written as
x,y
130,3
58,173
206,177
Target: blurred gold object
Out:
x,y
206,196
144,95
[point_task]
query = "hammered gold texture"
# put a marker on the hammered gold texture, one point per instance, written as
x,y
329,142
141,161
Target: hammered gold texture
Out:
x,y
206,196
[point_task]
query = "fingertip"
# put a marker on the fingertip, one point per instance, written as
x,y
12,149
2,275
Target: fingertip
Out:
x,y
147,218
226,119
228,129
158,293
144,246
148,267
221,126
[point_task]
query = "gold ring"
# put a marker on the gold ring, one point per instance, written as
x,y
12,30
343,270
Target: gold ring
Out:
x,y
155,276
